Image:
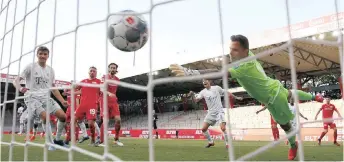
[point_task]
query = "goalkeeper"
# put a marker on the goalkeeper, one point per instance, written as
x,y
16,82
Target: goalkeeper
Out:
x,y
251,76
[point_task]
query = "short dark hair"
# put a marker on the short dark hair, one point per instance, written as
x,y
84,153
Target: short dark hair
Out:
x,y
93,67
112,64
43,48
243,41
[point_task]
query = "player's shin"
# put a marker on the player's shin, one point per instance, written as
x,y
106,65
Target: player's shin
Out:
x,y
335,136
82,127
97,129
21,128
287,129
322,135
48,132
117,129
207,136
101,133
92,131
60,127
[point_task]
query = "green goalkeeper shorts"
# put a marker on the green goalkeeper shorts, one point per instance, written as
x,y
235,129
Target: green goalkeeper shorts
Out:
x,y
279,108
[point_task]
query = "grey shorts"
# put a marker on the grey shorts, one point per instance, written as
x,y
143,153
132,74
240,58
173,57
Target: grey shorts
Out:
x,y
37,105
213,118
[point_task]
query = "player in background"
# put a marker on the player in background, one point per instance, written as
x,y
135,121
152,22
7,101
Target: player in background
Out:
x,y
293,110
327,113
212,96
113,106
23,114
155,127
39,78
88,103
68,114
274,128
251,76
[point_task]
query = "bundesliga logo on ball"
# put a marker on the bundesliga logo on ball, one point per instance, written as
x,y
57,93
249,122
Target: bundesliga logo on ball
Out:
x,y
128,32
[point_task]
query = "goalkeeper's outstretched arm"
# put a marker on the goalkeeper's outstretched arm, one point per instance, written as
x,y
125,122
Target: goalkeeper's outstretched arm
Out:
x,y
182,71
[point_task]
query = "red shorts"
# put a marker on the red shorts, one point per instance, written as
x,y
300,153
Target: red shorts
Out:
x,y
89,110
332,125
273,122
113,109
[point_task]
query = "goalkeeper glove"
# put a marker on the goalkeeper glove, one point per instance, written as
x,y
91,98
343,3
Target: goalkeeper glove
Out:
x,y
181,71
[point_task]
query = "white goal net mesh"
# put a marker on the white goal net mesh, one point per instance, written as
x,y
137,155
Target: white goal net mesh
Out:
x,y
13,28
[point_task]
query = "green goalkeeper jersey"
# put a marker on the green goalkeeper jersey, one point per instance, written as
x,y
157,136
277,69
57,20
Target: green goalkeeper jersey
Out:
x,y
251,76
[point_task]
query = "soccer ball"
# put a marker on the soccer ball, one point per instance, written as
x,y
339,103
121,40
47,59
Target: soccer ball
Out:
x,y
128,32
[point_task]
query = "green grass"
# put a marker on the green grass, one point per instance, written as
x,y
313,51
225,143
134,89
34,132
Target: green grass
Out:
x,y
177,150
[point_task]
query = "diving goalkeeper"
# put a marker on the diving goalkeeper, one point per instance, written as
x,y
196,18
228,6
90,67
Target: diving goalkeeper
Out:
x,y
251,76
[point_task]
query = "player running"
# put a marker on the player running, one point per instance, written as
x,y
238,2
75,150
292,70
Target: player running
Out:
x,y
113,107
212,96
327,113
251,76
88,103
39,78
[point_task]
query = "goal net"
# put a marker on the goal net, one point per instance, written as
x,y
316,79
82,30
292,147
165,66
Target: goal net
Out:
x,y
75,33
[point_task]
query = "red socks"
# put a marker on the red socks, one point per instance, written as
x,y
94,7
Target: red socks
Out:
x,y
117,129
275,133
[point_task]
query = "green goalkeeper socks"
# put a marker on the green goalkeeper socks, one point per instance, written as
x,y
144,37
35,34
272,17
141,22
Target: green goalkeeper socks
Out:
x,y
304,96
292,139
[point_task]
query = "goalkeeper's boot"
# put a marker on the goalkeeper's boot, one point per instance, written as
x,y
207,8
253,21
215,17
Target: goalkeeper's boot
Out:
x,y
292,152
83,139
336,143
319,98
118,143
210,145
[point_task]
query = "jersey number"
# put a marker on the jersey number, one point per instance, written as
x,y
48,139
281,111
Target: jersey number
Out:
x,y
92,111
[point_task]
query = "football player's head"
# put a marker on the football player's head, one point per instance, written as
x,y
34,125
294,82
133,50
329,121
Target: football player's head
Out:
x,y
206,83
239,47
112,68
42,54
92,72
327,99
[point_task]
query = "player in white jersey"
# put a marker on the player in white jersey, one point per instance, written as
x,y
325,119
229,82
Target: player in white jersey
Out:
x,y
23,114
212,96
39,78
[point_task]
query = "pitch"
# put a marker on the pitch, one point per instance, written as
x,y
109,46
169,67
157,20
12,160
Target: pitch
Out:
x,y
178,150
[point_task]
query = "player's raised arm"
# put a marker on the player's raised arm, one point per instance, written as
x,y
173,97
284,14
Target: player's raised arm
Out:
x,y
302,116
182,71
23,75
316,116
339,115
195,97
262,109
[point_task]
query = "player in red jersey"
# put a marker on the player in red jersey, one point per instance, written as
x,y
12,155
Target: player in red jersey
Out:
x,y
274,128
88,102
327,113
113,107
68,114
